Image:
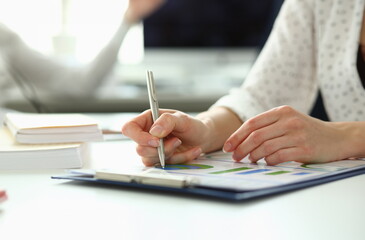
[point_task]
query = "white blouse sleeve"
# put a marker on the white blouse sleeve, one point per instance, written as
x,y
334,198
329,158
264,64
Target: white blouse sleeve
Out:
x,y
55,77
284,73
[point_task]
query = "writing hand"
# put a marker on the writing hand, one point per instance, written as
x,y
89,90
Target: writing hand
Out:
x,y
184,136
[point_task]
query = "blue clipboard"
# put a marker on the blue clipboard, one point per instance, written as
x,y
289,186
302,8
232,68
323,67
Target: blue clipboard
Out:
x,y
217,192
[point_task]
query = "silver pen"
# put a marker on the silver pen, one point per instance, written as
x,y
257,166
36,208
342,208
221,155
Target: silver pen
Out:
x,y
155,112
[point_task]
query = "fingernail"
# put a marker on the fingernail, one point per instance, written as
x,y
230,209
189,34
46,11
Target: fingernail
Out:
x,y
197,152
156,131
227,147
177,143
153,143
236,157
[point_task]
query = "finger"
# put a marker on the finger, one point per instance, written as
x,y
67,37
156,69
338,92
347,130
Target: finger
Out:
x,y
150,154
136,129
260,121
185,156
256,139
269,147
170,146
168,123
149,162
287,155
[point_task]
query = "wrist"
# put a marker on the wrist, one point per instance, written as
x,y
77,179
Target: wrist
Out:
x,y
220,123
353,138
208,134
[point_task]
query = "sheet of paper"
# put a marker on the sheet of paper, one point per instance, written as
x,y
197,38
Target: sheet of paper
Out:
x,y
219,170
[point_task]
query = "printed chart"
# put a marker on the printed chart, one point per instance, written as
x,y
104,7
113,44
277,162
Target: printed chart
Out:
x,y
219,169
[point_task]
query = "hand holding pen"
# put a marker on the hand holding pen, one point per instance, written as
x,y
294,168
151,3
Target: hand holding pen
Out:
x,y
177,136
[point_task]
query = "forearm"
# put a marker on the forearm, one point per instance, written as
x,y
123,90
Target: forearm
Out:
x,y
352,138
221,123
104,62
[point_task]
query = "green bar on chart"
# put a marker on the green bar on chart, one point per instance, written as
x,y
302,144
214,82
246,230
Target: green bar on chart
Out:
x,y
231,170
277,173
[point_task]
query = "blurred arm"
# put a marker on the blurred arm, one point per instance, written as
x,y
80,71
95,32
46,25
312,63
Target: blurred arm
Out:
x,y
47,73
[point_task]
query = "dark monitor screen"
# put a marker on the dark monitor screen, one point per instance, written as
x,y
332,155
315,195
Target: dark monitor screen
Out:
x,y
211,23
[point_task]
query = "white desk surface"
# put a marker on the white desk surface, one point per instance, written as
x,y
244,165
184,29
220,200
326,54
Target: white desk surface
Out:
x,y
42,208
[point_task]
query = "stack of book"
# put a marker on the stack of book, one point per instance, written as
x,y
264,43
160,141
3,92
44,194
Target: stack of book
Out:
x,y
38,141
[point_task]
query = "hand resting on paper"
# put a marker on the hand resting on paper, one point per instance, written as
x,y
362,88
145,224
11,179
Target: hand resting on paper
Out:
x,y
284,134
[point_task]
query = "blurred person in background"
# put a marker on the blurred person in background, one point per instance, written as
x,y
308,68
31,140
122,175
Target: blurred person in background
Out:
x,y
29,70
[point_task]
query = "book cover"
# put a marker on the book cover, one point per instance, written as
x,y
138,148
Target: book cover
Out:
x,y
30,128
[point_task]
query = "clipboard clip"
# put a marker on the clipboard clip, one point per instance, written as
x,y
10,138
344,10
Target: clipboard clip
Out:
x,y
155,179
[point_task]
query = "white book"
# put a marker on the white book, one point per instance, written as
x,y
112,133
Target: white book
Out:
x,y
14,155
30,128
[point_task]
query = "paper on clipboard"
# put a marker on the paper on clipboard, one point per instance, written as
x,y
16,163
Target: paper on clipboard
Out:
x,y
219,171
